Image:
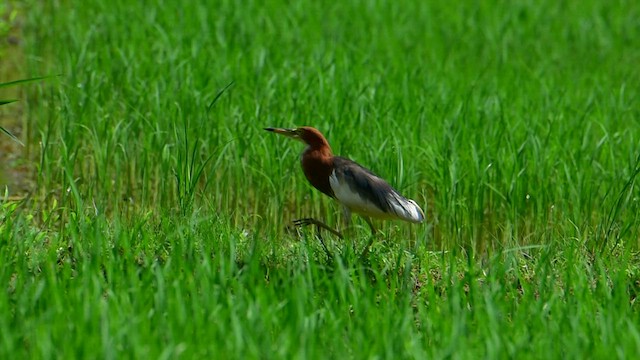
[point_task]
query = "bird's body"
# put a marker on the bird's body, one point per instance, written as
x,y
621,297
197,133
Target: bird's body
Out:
x,y
358,189
363,192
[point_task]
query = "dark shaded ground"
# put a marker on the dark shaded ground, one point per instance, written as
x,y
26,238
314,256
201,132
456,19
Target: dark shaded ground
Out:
x,y
15,174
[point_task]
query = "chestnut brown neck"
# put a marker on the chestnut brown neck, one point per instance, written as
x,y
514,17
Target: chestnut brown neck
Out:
x,y
317,162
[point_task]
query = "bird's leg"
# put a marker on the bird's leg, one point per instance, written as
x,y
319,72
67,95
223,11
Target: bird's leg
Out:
x,y
346,216
365,251
373,229
326,249
319,224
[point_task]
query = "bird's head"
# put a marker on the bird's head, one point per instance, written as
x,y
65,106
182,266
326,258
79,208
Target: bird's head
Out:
x,y
306,134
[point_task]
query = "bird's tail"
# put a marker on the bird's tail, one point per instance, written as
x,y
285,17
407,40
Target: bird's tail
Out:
x,y
406,209
415,213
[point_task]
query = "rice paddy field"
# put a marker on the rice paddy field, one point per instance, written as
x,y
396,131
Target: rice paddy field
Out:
x,y
148,214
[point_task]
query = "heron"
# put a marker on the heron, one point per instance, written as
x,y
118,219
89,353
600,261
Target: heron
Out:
x,y
355,187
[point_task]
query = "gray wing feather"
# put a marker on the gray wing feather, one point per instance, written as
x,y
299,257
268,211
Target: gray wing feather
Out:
x,y
374,189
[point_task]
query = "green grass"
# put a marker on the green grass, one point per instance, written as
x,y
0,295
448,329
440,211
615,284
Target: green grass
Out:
x,y
158,226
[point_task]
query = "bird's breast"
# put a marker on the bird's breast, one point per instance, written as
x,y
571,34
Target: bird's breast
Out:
x,y
317,168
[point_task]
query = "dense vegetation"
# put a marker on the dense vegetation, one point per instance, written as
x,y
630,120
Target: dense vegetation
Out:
x,y
158,222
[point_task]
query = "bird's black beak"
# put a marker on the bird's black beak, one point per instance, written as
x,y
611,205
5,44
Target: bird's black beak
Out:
x,y
292,133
